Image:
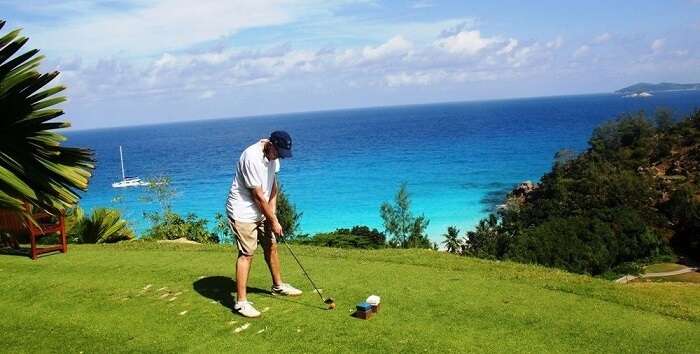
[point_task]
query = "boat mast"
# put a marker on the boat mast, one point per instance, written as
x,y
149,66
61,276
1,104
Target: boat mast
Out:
x,y
121,157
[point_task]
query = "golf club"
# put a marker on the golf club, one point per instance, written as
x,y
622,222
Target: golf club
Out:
x,y
329,301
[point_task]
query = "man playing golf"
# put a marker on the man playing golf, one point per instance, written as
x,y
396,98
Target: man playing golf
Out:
x,y
251,208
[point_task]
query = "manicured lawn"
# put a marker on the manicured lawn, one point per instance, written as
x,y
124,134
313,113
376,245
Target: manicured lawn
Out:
x,y
142,297
662,267
692,277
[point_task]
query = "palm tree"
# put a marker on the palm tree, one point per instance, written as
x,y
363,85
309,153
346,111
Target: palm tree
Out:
x,y
452,242
34,167
102,226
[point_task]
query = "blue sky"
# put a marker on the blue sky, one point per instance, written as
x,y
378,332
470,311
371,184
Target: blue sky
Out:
x,y
129,62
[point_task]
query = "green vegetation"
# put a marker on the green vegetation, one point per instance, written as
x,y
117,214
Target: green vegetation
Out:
x,y
625,200
356,237
692,277
34,167
148,297
662,267
102,226
287,214
406,230
169,225
172,226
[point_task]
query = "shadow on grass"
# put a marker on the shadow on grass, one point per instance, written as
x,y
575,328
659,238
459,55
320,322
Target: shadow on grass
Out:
x,y
9,251
221,289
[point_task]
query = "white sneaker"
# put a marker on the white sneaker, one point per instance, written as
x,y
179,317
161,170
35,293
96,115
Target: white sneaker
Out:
x,y
246,309
285,289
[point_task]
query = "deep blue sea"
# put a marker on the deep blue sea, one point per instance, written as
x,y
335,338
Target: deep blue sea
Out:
x,y
458,159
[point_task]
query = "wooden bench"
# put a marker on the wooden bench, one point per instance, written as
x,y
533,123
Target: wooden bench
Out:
x,y
15,225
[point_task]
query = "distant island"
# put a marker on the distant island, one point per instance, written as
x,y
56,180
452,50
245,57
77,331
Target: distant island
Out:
x,y
646,88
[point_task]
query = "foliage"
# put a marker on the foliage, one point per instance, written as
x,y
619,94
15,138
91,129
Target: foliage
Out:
x,y
452,242
160,190
418,238
102,226
355,237
34,167
407,231
488,240
617,203
222,229
287,214
683,210
171,226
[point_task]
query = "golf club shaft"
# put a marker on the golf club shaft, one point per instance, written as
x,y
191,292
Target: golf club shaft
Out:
x,y
304,270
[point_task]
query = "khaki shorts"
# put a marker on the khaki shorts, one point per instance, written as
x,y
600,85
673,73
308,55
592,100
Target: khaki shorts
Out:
x,y
249,233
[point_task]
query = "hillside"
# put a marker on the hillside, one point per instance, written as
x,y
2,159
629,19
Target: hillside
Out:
x,y
148,297
660,87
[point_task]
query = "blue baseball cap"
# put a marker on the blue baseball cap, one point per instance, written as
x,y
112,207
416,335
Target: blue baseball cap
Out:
x,y
283,143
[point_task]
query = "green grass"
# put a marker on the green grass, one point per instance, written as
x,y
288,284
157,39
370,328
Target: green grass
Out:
x,y
97,298
692,277
662,267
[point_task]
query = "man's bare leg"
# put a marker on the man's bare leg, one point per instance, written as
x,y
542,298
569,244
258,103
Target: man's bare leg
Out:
x,y
273,263
242,270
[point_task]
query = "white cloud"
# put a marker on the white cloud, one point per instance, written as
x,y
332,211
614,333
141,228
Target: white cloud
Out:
x,y
512,43
603,38
207,94
438,76
556,43
465,43
160,25
395,46
581,51
657,46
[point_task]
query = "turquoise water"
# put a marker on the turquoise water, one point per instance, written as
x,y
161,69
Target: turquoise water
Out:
x,y
458,159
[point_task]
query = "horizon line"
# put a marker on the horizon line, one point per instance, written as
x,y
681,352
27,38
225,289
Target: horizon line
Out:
x,y
264,115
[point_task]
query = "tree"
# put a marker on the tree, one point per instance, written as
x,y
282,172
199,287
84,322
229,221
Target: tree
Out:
x,y
452,241
487,240
405,229
287,213
34,167
166,224
160,190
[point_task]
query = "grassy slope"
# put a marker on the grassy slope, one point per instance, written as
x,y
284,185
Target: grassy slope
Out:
x,y
93,300
662,267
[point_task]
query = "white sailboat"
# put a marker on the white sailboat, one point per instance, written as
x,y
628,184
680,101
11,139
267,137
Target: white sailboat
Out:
x,y
127,181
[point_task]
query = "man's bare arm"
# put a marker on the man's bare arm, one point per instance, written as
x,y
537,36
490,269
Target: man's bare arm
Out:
x,y
273,197
264,206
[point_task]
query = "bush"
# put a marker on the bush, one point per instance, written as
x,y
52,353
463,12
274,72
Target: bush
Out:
x,y
488,240
104,225
287,214
356,237
172,226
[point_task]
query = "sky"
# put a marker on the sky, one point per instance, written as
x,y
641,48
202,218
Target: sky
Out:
x,y
133,62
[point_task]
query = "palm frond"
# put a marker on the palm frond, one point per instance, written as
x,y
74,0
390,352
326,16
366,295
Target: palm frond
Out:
x,y
34,166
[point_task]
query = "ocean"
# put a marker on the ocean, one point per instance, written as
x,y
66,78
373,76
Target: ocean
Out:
x,y
457,159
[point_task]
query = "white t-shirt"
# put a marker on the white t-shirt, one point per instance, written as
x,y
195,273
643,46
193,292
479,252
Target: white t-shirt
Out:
x,y
253,170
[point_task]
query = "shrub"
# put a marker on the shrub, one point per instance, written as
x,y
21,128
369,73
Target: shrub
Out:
x,y
407,231
356,237
104,225
172,226
287,214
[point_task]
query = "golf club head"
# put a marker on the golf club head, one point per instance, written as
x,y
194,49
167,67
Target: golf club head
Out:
x,y
330,302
